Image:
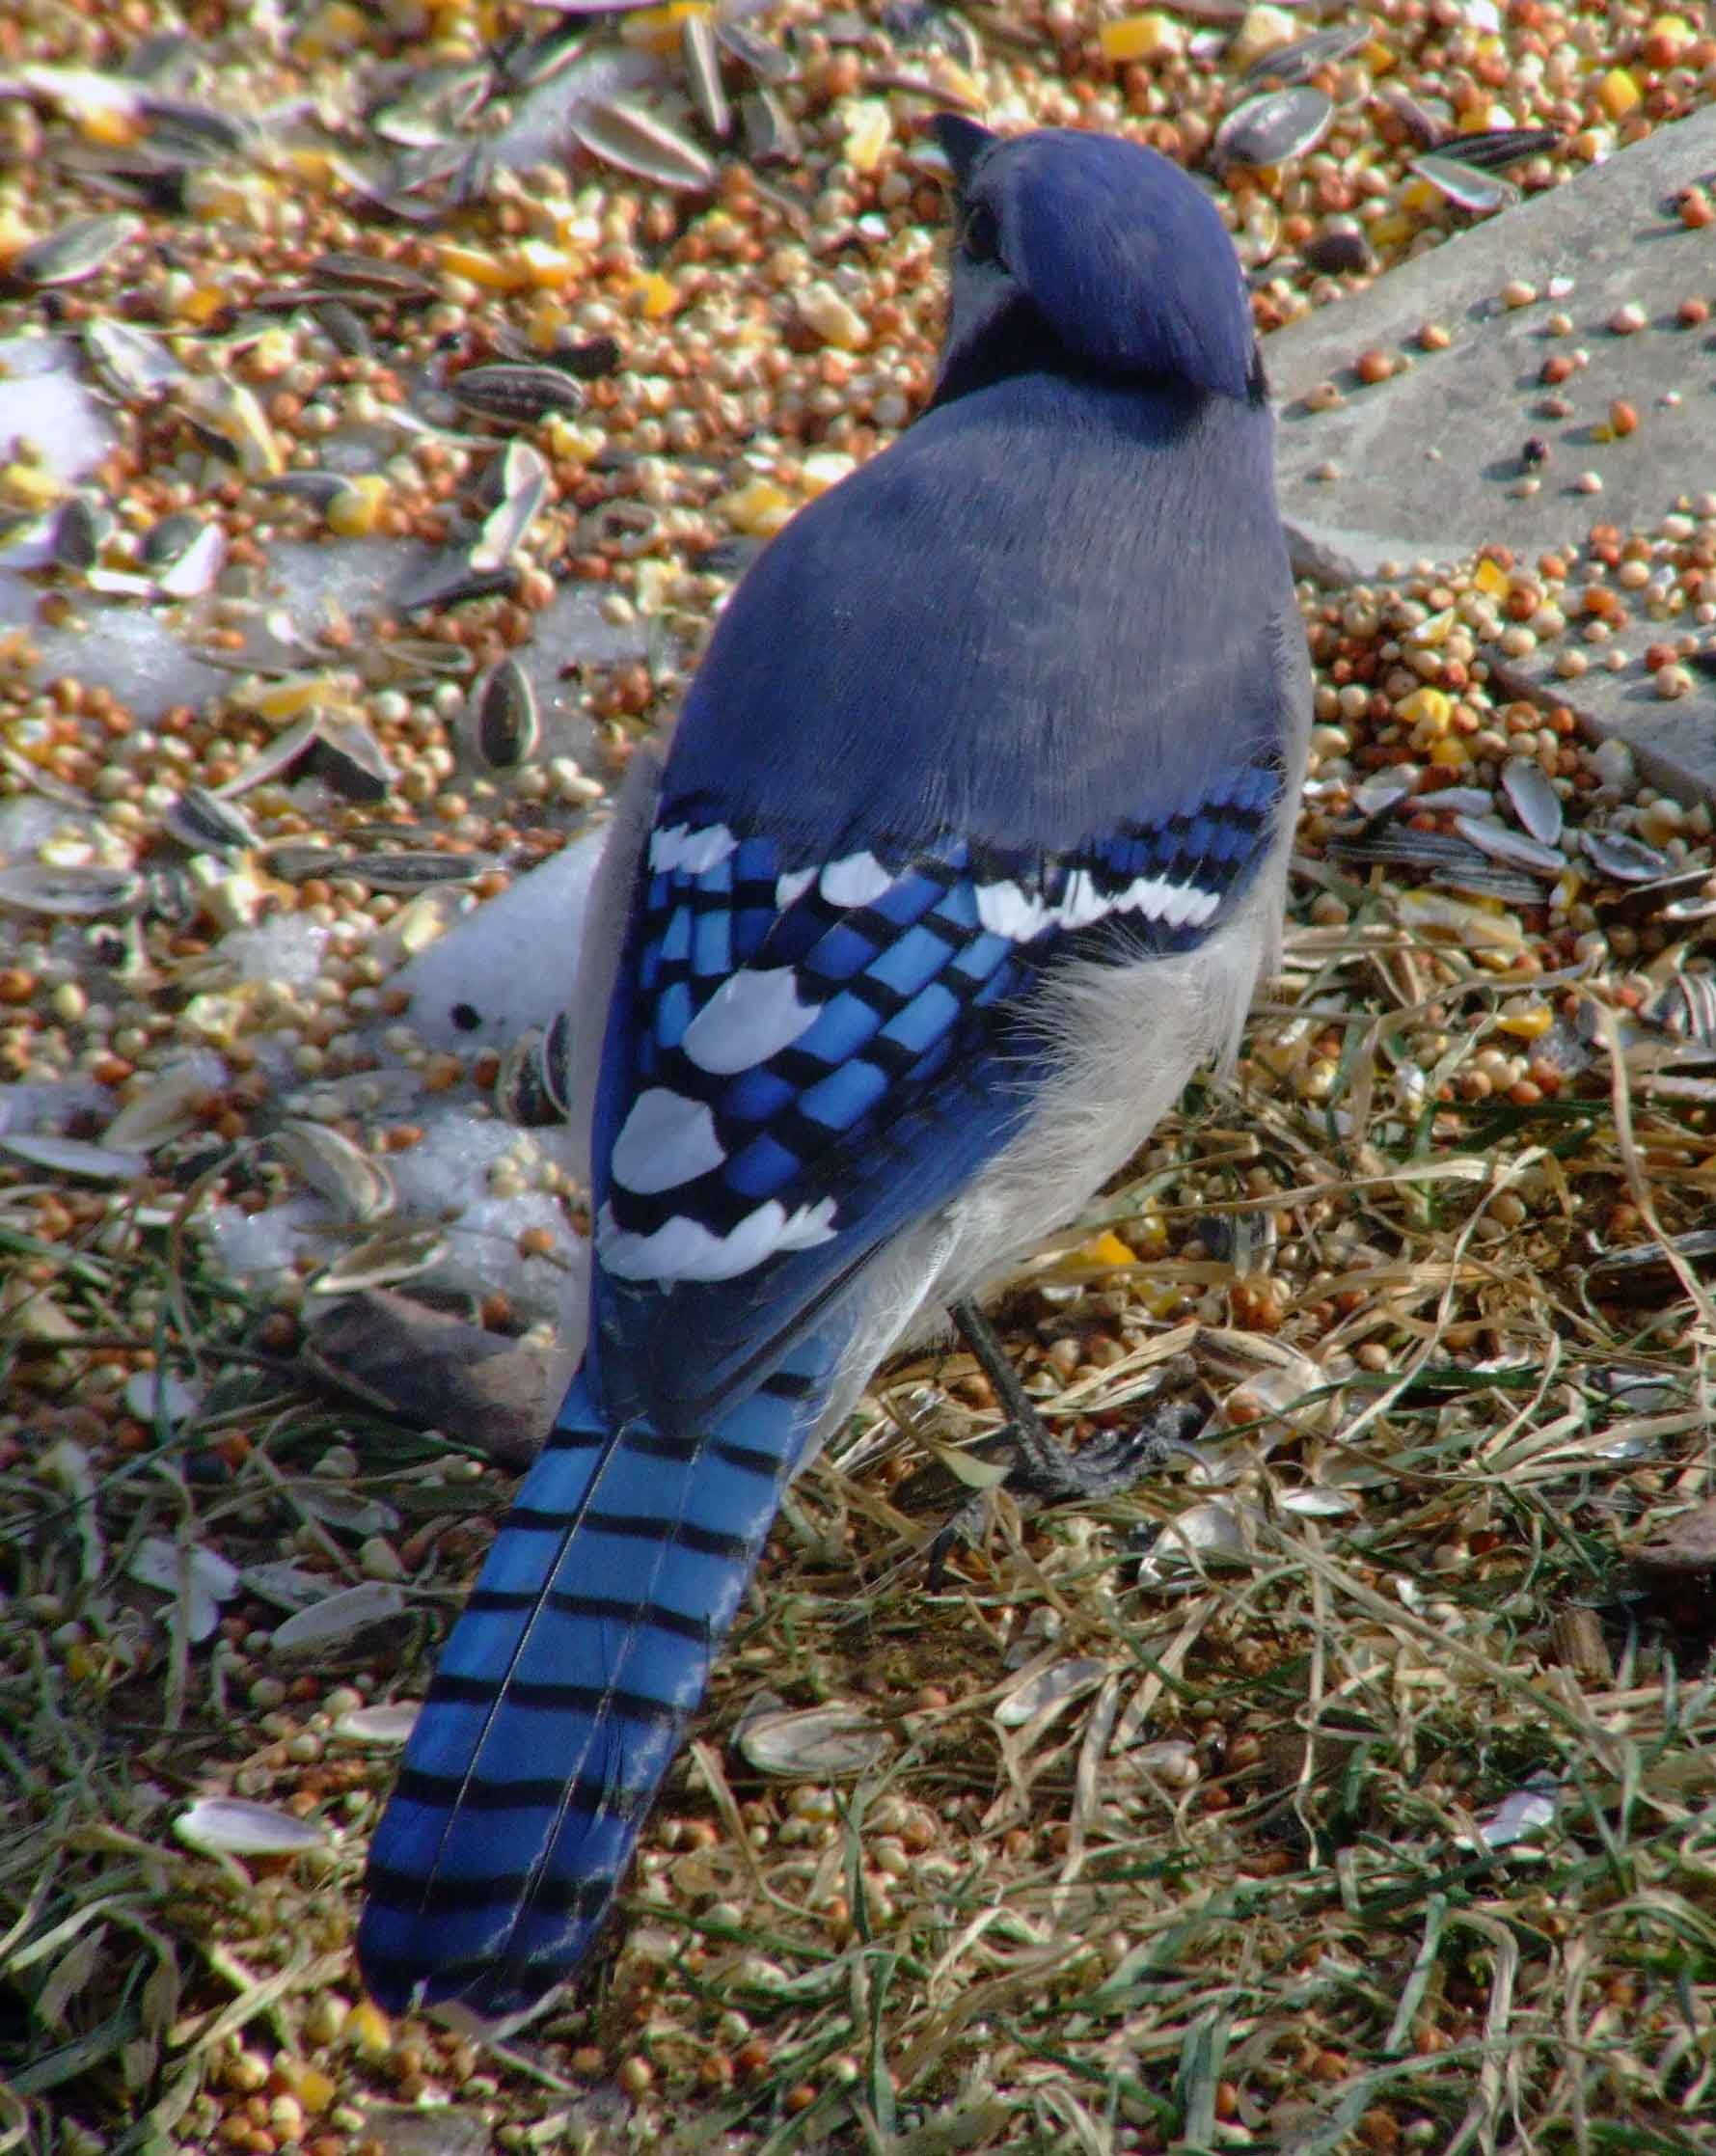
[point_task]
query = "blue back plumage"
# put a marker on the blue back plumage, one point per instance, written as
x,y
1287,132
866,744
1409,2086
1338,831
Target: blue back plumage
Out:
x,y
1022,692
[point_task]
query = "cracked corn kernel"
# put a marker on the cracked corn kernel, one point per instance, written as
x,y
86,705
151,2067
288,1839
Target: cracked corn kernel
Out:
x,y
353,512
1146,36
1618,92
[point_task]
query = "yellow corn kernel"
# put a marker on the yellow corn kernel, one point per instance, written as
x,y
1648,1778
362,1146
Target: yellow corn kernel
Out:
x,y
1104,1250
657,29
546,267
1392,230
1494,581
337,27
355,510
1432,708
655,296
824,468
367,2030
1378,56
869,129
29,486
1618,92
313,2089
291,698
201,305
1450,753
545,322
1146,36
1525,1019
1418,195
109,126
759,510
495,273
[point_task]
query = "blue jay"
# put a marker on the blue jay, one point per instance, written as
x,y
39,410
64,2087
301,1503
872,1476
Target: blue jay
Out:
x,y
969,849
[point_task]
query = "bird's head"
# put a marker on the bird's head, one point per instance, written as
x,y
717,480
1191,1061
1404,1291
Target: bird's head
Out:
x,y
1085,252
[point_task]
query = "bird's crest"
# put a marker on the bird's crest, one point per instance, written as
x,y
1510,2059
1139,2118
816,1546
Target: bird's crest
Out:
x,y
1123,257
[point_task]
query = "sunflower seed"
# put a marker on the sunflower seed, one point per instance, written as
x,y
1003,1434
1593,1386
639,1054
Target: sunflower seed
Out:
x,y
347,756
235,1827
448,577
440,104
1532,799
1272,128
166,1110
168,539
769,136
1506,146
170,895
1427,129
77,894
391,1724
350,1180
1515,847
103,1163
634,141
1453,863
522,1093
1687,1008
276,759
515,392
1451,801
1628,860
505,722
524,485
1338,251
1299,61
194,572
335,1618
201,1579
76,251
229,414
80,533
1465,186
295,860
833,1742
556,1064
701,57
381,1261
205,823
542,59
412,872
343,327
769,62
372,273
1050,1688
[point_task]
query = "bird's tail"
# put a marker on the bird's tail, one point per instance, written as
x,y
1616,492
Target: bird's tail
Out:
x,y
563,1694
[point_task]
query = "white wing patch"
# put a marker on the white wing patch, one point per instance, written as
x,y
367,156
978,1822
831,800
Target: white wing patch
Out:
x,y
751,1016
664,1141
854,880
682,1249
1006,909
679,846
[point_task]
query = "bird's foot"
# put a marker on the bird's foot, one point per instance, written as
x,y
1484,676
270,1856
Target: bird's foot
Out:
x,y
1048,1471
1041,1467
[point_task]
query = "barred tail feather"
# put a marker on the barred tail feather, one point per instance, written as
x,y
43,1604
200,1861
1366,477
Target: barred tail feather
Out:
x,y
563,1692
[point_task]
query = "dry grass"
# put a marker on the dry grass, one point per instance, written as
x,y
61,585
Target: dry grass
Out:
x,y
1171,1831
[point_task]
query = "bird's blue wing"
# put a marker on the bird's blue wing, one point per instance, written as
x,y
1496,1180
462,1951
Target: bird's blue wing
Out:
x,y
804,1056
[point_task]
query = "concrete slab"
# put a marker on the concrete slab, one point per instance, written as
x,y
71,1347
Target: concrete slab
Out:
x,y
1430,462
1426,461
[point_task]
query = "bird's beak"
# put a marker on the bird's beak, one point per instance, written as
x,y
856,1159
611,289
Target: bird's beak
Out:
x,y
963,142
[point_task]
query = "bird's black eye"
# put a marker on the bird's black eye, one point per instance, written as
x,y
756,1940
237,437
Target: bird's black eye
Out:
x,y
981,235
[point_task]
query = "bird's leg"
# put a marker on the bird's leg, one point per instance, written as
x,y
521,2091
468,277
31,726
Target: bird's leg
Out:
x,y
1048,1470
